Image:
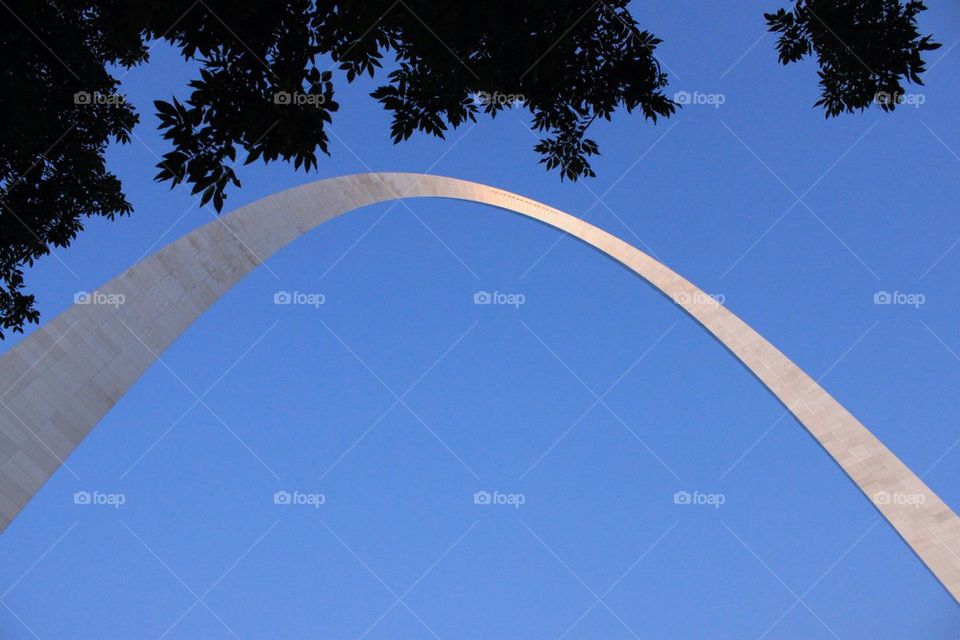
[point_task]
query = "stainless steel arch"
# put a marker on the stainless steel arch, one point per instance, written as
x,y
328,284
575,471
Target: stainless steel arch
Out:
x,y
63,378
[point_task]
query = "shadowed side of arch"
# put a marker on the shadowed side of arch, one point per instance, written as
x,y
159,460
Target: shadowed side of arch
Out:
x,y
64,377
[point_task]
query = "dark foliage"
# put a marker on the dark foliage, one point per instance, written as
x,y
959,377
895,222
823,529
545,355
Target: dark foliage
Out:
x,y
865,49
59,111
265,92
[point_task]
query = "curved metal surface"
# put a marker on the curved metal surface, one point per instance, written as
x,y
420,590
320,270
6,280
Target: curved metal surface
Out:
x,y
63,378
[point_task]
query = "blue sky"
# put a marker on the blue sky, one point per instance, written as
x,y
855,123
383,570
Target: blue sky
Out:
x,y
798,222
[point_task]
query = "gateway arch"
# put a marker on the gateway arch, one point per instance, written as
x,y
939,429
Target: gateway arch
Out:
x,y
65,376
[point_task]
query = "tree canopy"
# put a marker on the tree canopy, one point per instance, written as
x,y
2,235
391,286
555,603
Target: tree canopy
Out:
x,y
266,87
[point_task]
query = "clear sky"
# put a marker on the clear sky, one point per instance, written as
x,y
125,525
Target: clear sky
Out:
x,y
797,221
